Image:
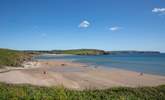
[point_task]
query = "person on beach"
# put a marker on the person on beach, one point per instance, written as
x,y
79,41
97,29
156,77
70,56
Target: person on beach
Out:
x,y
44,72
141,74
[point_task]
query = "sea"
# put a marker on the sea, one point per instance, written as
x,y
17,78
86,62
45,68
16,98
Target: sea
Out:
x,y
143,63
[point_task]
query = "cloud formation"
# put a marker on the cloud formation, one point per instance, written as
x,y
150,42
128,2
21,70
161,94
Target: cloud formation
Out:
x,y
159,10
115,28
84,24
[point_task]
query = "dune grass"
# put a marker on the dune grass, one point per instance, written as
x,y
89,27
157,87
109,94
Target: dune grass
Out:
x,y
28,92
12,57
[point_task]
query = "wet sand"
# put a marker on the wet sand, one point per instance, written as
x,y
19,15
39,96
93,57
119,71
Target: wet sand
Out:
x,y
77,76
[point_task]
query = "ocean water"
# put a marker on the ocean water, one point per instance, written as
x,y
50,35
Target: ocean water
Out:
x,y
146,63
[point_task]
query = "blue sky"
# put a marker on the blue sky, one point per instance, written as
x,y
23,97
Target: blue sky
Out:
x,y
72,24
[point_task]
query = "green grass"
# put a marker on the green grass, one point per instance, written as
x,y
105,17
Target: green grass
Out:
x,y
28,92
12,57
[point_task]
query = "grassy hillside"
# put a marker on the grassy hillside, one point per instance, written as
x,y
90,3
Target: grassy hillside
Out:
x,y
81,52
12,57
28,92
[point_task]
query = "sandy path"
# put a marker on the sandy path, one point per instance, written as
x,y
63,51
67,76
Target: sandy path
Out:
x,y
77,76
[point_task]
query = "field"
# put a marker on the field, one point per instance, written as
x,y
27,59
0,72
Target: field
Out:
x,y
28,92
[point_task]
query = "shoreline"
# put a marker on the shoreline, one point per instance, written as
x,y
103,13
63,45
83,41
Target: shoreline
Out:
x,y
74,75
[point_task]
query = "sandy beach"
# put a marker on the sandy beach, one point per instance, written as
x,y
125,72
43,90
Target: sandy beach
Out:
x,y
77,76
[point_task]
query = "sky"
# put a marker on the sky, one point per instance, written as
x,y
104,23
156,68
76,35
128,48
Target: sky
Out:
x,y
75,24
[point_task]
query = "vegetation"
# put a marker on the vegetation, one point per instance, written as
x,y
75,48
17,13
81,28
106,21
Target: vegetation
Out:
x,y
12,57
28,92
73,51
82,52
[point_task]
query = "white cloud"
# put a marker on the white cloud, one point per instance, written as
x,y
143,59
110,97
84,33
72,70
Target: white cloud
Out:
x,y
159,10
115,28
84,24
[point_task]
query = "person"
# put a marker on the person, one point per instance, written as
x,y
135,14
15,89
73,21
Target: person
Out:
x,y
62,64
141,73
44,72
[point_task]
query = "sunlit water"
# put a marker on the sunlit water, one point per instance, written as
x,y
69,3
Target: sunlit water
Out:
x,y
147,63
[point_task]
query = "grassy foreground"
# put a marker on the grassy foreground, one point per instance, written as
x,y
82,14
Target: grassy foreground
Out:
x,y
12,57
28,92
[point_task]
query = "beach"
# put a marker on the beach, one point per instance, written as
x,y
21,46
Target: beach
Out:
x,y
77,76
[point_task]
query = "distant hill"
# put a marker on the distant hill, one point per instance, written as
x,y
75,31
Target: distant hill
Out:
x,y
134,52
72,51
81,52
90,52
101,52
